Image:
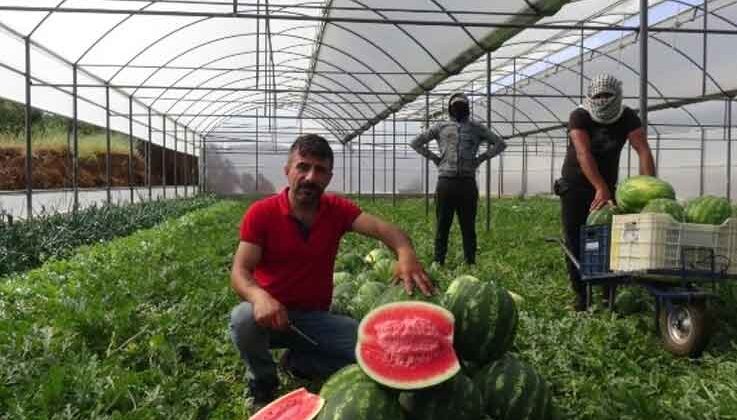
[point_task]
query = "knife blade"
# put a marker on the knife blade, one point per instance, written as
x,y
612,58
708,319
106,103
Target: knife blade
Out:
x,y
302,334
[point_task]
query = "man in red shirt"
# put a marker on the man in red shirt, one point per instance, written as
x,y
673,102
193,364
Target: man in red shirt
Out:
x,y
283,268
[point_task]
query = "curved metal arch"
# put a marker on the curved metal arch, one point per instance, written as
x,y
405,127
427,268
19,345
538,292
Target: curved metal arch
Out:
x,y
41,22
453,18
282,51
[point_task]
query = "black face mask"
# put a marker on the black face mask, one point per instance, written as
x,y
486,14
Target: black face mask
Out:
x,y
459,111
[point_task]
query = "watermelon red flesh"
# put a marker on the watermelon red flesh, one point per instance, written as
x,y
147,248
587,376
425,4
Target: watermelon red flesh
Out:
x,y
299,404
407,345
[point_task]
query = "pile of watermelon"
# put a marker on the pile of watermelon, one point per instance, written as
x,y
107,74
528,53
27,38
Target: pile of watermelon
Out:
x,y
647,194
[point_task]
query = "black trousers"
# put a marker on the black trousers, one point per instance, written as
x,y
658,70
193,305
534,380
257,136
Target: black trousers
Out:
x,y
456,196
575,202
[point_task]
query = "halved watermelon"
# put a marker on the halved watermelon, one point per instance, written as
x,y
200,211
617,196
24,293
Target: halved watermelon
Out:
x,y
407,345
299,404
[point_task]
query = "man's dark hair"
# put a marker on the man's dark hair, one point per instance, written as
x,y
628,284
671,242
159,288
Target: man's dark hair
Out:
x,y
313,145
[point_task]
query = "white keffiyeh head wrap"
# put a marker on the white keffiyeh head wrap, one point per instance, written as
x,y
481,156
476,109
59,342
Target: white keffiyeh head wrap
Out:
x,y
604,110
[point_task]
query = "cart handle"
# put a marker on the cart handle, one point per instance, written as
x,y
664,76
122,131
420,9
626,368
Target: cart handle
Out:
x,y
566,250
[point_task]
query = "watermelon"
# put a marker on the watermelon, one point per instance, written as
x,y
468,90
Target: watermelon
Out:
x,y
351,262
378,254
666,206
368,276
342,296
458,398
351,395
365,298
384,269
513,390
634,193
299,404
518,299
398,294
407,345
603,216
341,277
486,319
709,209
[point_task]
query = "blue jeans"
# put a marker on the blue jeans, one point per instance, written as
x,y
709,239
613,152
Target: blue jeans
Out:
x,y
335,336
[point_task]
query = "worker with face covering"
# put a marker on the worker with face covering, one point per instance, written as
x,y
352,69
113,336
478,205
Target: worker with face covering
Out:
x,y
597,132
459,140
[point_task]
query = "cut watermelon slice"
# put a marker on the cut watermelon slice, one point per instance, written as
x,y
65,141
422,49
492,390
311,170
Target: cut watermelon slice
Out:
x,y
407,345
299,404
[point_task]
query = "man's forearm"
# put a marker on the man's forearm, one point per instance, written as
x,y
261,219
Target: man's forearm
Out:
x,y
588,166
245,285
647,166
398,241
497,148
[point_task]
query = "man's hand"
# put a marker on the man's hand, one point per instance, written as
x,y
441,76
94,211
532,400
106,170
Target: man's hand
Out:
x,y
410,272
601,197
269,313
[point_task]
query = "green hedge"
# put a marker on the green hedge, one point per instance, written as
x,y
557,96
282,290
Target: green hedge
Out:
x,y
28,244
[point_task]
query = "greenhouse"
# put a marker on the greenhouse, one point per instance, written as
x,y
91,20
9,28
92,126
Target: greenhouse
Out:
x,y
135,135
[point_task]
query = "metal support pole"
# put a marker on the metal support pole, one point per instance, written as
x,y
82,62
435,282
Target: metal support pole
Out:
x,y
257,143
427,161
163,155
108,162
350,168
204,165
629,160
148,157
488,125
176,158
359,166
643,62
552,165
130,147
29,138
373,162
580,76
524,166
704,48
383,144
657,154
343,168
75,137
701,162
394,158
186,164
729,148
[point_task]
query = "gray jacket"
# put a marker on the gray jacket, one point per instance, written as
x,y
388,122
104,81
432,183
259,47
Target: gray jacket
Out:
x,y
459,144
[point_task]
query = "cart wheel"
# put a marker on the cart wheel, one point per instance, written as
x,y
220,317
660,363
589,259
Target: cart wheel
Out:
x,y
684,328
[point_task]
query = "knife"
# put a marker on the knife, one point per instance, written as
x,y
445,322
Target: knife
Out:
x,y
301,334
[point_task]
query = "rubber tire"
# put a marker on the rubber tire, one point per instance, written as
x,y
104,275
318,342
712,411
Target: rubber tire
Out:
x,y
692,345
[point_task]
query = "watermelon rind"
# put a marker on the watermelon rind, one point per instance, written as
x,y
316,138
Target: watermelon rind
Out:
x,y
351,395
398,294
635,192
486,319
602,216
513,390
367,340
666,206
384,269
378,254
283,408
458,398
709,209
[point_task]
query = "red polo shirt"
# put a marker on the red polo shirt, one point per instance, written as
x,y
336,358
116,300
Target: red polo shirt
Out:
x,y
297,271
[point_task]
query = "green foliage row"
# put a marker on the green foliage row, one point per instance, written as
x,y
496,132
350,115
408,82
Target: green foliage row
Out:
x,y
13,120
27,244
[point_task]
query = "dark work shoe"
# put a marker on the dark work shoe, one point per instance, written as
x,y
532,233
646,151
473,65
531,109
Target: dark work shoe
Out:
x,y
262,392
285,364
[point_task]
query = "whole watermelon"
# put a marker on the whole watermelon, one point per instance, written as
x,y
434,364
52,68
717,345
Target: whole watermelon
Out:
x,y
666,206
603,216
709,209
342,296
635,192
458,398
384,269
486,319
378,254
341,277
365,297
396,293
351,395
351,262
513,390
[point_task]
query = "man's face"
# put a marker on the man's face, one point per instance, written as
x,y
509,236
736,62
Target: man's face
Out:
x,y
308,176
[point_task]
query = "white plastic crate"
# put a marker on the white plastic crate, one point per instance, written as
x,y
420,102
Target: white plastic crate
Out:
x,y
656,241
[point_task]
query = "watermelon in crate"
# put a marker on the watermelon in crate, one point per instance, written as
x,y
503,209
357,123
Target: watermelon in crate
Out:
x,y
708,210
635,192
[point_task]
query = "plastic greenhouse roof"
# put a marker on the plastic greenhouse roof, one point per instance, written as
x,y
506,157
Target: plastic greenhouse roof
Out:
x,y
348,64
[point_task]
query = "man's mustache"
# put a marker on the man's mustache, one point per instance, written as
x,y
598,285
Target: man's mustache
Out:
x,y
308,186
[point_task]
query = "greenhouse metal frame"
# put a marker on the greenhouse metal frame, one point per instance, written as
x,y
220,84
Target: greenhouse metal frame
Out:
x,y
235,82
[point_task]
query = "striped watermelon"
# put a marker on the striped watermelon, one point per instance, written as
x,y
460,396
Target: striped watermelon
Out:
x,y
603,216
513,390
350,262
458,399
342,296
486,319
378,254
635,192
341,277
365,298
398,294
407,345
667,206
297,405
351,395
709,209
384,269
